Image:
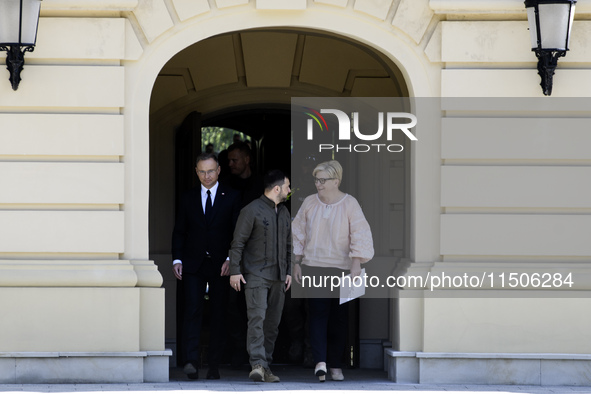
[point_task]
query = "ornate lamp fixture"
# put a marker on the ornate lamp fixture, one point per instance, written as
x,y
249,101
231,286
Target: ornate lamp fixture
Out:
x,y
18,33
550,23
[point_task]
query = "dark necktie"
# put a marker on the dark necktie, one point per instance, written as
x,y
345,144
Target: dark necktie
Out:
x,y
208,206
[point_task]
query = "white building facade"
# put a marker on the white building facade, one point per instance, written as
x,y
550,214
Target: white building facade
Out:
x,y
87,177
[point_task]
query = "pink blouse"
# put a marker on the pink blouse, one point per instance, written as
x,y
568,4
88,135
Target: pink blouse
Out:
x,y
330,235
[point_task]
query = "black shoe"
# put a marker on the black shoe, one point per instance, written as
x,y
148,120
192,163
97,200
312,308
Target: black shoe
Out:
x,y
191,370
213,374
296,352
239,359
308,359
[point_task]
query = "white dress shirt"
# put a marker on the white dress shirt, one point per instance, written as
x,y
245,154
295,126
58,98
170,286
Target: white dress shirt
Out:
x,y
213,190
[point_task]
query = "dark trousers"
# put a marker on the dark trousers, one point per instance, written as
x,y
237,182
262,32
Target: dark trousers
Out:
x,y
264,303
294,317
328,330
237,323
195,286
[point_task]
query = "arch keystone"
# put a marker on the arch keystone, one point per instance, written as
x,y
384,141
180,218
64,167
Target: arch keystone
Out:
x,y
281,4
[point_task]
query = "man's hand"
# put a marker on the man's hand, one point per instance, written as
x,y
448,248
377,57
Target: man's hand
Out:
x,y
225,268
178,271
236,280
296,270
287,282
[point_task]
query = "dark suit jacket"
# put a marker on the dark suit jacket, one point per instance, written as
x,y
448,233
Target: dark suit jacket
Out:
x,y
193,236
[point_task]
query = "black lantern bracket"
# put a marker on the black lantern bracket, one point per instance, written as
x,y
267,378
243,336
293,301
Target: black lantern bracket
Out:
x,y
547,63
15,61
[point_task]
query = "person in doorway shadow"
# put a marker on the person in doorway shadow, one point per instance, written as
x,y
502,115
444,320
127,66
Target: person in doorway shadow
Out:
x,y
250,187
242,177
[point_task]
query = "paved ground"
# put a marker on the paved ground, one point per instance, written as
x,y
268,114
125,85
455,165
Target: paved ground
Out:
x,y
293,379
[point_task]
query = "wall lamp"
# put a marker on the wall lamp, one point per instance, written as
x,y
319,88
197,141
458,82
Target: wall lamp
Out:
x,y
18,32
550,23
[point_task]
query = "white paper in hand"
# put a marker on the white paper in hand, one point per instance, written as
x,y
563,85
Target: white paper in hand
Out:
x,y
352,288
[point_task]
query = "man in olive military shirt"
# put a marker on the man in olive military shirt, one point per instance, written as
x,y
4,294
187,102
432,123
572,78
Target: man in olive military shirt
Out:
x,y
260,259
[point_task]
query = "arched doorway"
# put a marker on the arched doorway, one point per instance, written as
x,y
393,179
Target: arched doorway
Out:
x,y
245,81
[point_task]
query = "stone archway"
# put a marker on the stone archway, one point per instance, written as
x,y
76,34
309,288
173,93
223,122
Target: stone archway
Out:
x,y
414,68
420,75
261,70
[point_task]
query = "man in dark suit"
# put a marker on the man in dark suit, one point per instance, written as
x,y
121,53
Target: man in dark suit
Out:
x,y
200,244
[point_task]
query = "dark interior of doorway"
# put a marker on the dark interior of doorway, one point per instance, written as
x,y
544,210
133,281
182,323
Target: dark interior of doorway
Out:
x,y
269,130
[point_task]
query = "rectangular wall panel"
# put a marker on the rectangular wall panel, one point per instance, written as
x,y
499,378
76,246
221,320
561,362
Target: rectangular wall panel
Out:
x,y
512,83
485,41
487,6
470,6
96,5
515,235
69,319
506,325
495,42
62,231
507,186
516,138
65,86
61,134
95,38
61,183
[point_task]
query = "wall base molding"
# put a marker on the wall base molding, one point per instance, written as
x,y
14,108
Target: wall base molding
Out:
x,y
83,367
537,369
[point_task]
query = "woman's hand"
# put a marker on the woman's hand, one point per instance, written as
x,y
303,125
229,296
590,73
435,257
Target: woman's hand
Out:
x,y
355,268
296,270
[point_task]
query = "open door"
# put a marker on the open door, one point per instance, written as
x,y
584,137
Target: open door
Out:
x,y
187,148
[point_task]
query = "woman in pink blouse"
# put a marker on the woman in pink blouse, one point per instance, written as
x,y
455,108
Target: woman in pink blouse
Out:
x,y
330,237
